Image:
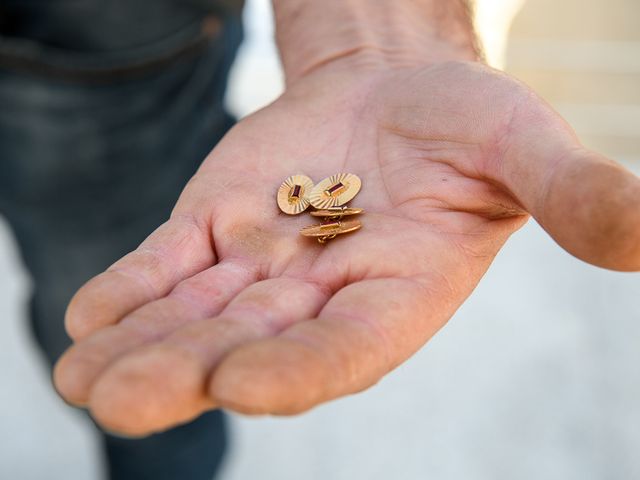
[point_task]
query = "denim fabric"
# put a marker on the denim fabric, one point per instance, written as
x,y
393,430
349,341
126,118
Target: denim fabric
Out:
x,y
86,172
106,26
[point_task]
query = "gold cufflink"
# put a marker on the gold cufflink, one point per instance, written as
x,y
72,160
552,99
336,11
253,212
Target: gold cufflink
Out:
x,y
293,194
337,212
332,224
330,229
328,198
335,191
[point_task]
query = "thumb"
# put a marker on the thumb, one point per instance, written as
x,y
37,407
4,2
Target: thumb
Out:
x,y
591,207
588,203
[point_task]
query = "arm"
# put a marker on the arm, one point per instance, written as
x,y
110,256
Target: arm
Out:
x,y
225,305
368,33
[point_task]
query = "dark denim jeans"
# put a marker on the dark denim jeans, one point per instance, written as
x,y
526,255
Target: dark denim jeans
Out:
x,y
87,170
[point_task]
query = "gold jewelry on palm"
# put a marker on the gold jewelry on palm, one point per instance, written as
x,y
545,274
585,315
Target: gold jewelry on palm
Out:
x,y
329,200
293,194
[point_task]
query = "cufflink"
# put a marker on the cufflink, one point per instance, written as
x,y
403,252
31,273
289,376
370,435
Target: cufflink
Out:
x,y
328,200
293,194
335,191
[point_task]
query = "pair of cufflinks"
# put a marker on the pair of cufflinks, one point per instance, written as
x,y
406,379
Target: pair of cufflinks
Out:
x,y
328,200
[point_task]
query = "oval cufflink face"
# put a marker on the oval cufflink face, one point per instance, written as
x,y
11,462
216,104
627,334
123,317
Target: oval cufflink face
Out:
x,y
293,194
330,229
337,212
335,191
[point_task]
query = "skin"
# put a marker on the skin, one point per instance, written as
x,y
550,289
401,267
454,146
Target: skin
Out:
x,y
226,305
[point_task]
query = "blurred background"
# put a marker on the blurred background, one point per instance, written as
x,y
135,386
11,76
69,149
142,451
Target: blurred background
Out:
x,y
537,376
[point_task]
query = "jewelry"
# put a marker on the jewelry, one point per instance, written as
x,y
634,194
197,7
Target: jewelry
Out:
x,y
329,198
293,194
335,191
337,212
329,230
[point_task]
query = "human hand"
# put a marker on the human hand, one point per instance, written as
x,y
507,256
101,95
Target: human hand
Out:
x,y
226,305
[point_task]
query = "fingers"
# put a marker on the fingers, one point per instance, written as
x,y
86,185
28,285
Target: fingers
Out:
x,y
589,204
198,297
364,331
177,250
165,383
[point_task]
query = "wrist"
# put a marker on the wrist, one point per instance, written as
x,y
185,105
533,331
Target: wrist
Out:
x,y
367,35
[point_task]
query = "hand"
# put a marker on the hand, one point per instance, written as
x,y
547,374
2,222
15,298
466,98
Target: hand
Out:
x,y
226,305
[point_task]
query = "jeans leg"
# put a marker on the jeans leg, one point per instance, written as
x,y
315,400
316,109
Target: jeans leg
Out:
x,y
87,173
193,451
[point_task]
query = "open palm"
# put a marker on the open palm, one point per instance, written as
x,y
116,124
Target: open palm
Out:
x,y
226,305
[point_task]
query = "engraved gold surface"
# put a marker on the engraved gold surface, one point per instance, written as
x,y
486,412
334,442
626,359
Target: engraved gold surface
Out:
x,y
335,191
337,212
293,194
331,228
